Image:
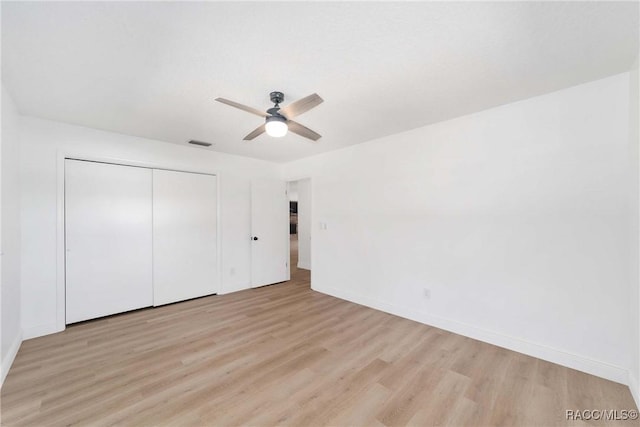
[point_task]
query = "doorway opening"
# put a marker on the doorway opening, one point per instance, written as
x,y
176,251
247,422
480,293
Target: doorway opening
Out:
x,y
299,193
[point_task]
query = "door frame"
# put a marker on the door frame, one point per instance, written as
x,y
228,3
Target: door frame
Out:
x,y
63,155
300,178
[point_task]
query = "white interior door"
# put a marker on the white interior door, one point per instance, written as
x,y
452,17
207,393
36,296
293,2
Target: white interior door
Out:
x,y
184,236
270,233
108,243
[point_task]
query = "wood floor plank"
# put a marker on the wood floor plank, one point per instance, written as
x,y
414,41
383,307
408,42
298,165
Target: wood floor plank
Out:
x,y
286,355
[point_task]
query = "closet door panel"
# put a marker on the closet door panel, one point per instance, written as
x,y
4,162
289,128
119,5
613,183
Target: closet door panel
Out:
x,y
184,236
108,224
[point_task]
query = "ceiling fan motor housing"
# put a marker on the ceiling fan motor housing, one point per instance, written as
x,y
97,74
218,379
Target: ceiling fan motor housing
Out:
x,y
274,111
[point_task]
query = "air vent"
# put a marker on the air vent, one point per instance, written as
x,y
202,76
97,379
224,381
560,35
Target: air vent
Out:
x,y
200,143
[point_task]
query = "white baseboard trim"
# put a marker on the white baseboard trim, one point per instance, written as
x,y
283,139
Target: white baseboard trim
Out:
x,y
560,357
40,330
634,387
304,266
10,357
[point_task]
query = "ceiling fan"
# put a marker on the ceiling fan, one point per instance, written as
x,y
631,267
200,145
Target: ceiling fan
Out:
x,y
278,120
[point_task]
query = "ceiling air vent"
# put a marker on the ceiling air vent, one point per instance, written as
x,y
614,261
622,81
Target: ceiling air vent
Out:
x,y
200,143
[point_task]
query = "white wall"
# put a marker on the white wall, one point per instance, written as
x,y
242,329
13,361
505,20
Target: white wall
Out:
x,y
10,334
304,223
42,143
515,218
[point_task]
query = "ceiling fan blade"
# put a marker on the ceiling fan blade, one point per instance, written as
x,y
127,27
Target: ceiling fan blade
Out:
x,y
301,106
256,132
243,107
304,131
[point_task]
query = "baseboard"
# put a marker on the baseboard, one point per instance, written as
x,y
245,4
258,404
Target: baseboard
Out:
x,y
40,330
304,265
234,288
560,357
10,357
634,387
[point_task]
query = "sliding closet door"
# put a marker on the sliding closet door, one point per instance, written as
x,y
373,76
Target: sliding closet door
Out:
x,y
184,236
108,239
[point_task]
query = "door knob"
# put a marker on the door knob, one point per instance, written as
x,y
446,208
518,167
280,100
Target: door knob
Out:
x,y
255,238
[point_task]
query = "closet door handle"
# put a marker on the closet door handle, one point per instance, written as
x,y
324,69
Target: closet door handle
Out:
x,y
255,238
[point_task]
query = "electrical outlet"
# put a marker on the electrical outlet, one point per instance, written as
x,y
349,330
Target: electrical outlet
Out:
x,y
427,293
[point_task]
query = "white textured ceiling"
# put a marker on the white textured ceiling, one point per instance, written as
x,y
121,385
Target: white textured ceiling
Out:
x,y
153,69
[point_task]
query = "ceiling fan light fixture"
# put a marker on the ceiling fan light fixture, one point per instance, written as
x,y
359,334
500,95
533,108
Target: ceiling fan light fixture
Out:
x,y
276,126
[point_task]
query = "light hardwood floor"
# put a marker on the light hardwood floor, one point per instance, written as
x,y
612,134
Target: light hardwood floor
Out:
x,y
286,355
